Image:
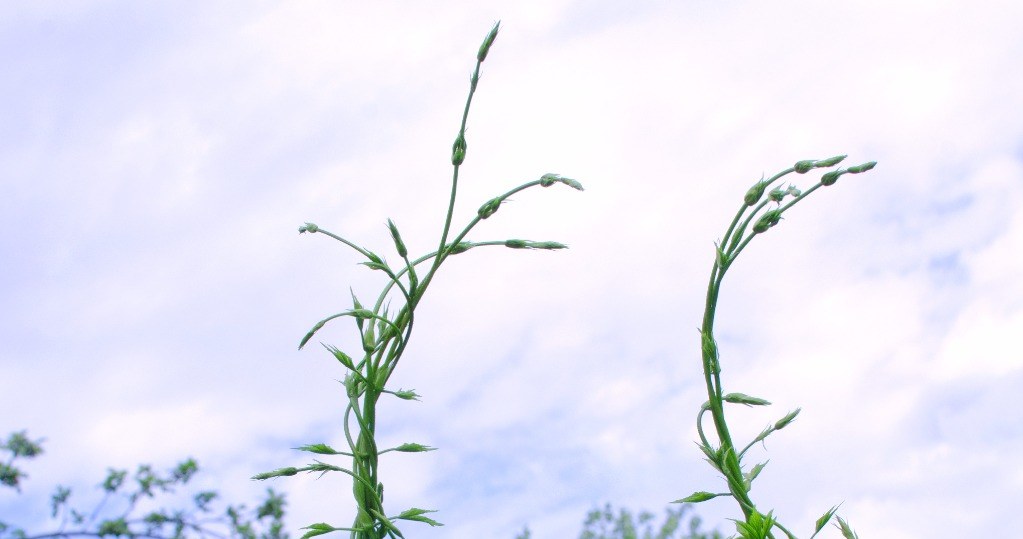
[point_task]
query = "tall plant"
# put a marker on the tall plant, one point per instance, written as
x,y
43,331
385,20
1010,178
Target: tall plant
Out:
x,y
757,215
383,338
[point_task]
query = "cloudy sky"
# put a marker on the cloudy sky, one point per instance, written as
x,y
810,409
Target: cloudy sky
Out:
x,y
157,158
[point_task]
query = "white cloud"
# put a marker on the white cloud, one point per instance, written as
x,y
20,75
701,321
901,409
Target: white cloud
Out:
x,y
155,284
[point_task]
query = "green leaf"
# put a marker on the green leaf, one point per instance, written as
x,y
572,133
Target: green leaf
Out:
x,y
114,480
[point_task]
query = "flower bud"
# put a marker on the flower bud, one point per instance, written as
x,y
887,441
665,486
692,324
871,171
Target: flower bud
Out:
x,y
783,422
487,42
412,447
862,168
829,178
767,220
829,162
742,398
777,194
802,167
308,227
458,150
488,208
398,244
754,193
459,248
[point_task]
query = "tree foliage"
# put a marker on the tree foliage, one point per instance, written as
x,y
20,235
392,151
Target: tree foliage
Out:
x,y
120,511
608,523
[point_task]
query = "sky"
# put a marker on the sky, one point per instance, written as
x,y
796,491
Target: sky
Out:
x,y
157,159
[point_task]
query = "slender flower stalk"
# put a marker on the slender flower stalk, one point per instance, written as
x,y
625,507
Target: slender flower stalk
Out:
x,y
383,336
762,213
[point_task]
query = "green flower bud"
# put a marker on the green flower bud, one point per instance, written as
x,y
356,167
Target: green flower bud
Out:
x,y
755,192
862,168
407,394
698,497
516,244
783,422
767,220
777,194
829,162
742,398
458,150
289,471
459,248
802,167
829,178
488,209
487,42
308,227
412,447
399,245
